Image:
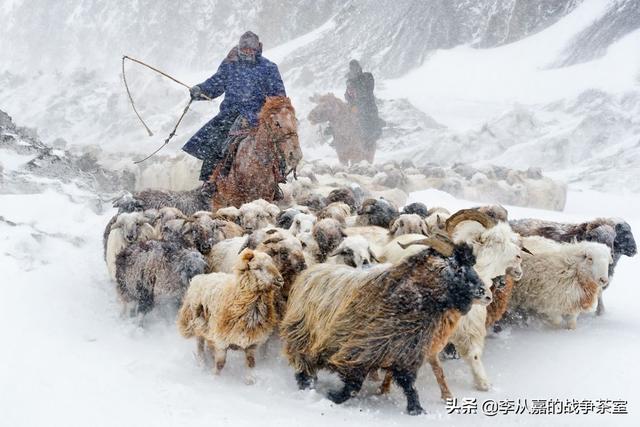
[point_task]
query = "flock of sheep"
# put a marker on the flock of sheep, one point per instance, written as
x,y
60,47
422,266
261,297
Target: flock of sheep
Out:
x,y
493,183
350,283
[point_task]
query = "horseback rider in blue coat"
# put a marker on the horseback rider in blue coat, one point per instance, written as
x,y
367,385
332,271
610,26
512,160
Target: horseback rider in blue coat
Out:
x,y
246,78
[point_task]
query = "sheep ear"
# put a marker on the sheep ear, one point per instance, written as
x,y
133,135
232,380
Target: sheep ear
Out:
x,y
187,227
336,252
424,228
272,240
373,256
526,251
393,226
247,255
247,244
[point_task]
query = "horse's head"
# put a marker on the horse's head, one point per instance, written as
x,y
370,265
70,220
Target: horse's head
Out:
x,y
279,117
328,106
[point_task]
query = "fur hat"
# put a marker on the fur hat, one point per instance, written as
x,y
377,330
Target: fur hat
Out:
x,y
249,40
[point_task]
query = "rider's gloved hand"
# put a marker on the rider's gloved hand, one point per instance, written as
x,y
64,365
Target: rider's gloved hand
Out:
x,y
196,92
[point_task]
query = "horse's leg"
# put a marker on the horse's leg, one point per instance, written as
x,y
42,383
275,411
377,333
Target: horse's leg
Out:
x,y
370,154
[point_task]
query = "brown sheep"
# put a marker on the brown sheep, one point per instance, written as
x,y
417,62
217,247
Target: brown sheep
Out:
x,y
355,322
328,234
233,311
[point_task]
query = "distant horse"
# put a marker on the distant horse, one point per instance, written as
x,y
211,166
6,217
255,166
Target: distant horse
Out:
x,y
254,164
348,139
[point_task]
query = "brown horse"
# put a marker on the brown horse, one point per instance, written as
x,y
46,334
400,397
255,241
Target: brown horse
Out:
x,y
256,163
348,140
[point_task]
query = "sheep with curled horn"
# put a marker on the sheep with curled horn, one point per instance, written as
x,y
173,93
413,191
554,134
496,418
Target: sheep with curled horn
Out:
x,y
615,233
496,248
355,322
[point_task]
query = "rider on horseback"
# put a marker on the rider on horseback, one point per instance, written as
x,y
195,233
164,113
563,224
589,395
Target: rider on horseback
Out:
x,y
359,96
247,79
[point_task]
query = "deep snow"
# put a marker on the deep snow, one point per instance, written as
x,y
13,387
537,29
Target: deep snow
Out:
x,y
68,359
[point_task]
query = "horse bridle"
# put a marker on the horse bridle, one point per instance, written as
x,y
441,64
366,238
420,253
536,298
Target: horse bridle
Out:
x,y
276,138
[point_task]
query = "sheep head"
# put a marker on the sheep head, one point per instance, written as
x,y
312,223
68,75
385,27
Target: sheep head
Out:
x,y
131,224
261,267
302,223
287,253
465,287
354,251
624,242
408,224
253,216
593,263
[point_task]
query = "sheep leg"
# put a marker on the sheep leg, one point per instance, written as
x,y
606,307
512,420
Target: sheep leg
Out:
x,y
385,387
600,308
572,321
220,357
472,354
406,379
556,320
438,372
352,385
250,358
200,351
303,380
450,352
474,359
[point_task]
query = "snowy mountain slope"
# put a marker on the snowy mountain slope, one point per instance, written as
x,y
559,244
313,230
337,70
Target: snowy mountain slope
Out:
x,y
497,98
622,18
192,33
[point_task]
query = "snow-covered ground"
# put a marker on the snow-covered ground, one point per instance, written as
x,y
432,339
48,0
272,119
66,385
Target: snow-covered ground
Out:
x,y
69,360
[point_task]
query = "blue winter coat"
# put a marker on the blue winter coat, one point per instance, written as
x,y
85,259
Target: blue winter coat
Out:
x,y
245,85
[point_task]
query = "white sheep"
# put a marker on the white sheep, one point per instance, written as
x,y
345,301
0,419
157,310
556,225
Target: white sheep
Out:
x,y
230,213
354,251
302,223
393,252
497,248
339,211
127,229
258,214
436,219
561,280
408,224
377,237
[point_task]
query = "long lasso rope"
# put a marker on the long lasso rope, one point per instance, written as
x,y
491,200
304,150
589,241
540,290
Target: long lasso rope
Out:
x,y
171,135
126,85
184,112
